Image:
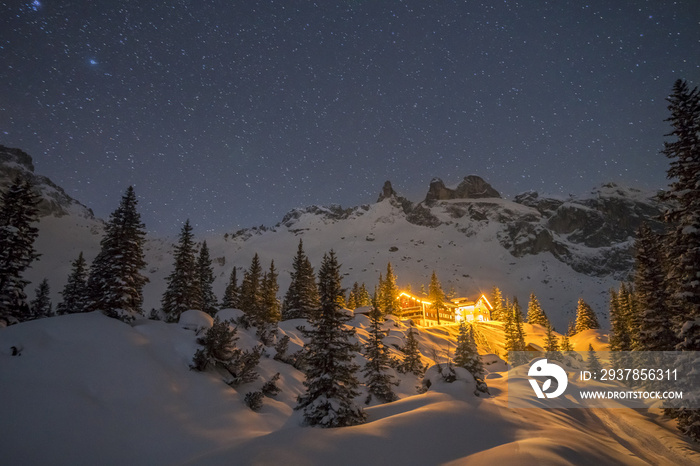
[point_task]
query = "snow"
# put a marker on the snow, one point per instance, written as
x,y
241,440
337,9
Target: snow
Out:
x,y
87,389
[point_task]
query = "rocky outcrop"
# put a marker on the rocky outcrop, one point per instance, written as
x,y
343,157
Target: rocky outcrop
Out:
x,y
387,191
471,187
54,200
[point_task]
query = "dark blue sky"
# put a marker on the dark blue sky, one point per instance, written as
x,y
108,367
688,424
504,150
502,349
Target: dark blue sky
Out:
x,y
231,113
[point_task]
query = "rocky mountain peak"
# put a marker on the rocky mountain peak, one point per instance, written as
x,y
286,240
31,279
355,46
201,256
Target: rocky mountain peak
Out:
x,y
54,200
387,191
471,187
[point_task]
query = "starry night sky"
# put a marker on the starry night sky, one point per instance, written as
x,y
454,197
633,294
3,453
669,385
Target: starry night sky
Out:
x,y
231,113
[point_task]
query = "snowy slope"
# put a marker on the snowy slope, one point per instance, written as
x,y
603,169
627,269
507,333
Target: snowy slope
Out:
x,y
87,389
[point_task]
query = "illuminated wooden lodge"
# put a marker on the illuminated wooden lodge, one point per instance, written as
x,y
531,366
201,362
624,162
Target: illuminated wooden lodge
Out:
x,y
422,313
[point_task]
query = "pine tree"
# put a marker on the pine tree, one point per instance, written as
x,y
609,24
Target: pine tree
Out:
x,y
390,292
115,283
467,356
515,335
351,301
205,279
593,363
552,345
436,296
270,303
377,297
585,317
18,213
302,298
330,382
682,242
363,298
535,314
498,312
251,290
412,361
566,344
655,325
75,293
619,339
41,305
232,293
183,290
377,378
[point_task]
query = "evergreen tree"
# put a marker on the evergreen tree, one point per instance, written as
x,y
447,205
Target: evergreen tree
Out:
x,y
115,283
535,314
351,301
330,382
390,292
515,335
302,298
377,298
363,298
467,356
436,296
75,293
270,303
593,363
183,290
619,325
655,327
412,361
18,213
585,317
566,344
377,378
682,243
205,279
232,293
251,290
41,305
552,345
497,313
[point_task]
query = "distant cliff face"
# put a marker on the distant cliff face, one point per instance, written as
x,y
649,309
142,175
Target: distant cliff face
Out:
x,y
471,187
54,200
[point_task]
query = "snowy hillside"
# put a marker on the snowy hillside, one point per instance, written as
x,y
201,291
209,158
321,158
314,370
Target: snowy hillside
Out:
x,y
86,389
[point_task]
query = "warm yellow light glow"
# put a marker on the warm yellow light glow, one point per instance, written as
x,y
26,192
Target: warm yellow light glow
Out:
x,y
487,301
414,298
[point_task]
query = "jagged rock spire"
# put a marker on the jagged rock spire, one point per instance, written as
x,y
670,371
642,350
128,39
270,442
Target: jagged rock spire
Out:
x,y
387,191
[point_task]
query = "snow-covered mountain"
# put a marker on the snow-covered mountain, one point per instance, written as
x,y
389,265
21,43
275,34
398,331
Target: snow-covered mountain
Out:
x,y
560,249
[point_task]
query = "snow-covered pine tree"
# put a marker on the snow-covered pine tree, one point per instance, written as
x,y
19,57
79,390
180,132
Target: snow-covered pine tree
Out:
x,y
18,213
467,356
497,302
566,345
551,346
535,314
412,361
390,293
115,283
75,292
585,317
656,332
210,305
376,371
232,293
270,303
331,384
436,296
593,364
41,304
301,299
682,243
183,290
251,290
